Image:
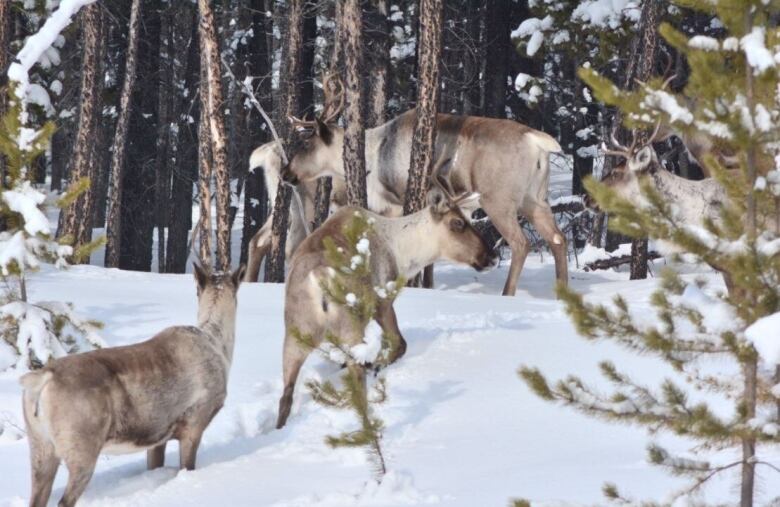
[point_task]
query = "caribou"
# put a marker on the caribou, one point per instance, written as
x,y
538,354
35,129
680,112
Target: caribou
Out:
x,y
127,399
398,246
694,200
268,157
505,162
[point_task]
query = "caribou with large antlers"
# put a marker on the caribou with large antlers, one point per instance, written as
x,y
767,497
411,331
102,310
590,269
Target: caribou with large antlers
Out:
x,y
398,246
506,162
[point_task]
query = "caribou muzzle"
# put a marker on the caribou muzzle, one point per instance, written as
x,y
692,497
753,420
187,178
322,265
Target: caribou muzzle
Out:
x,y
486,261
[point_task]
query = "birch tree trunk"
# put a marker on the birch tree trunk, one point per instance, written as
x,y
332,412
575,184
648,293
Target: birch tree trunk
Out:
x,y
77,218
291,70
210,59
354,134
114,216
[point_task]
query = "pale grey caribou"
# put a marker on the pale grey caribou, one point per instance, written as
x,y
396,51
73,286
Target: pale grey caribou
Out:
x,y
133,398
398,246
505,162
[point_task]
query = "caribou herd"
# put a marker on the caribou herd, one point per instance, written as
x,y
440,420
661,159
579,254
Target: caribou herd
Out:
x,y
138,397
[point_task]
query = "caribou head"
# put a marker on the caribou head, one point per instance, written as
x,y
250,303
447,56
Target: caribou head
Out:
x,y
461,243
639,160
319,145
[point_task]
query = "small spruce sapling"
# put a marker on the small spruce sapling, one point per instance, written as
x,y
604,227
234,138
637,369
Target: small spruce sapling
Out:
x,y
350,285
736,104
31,333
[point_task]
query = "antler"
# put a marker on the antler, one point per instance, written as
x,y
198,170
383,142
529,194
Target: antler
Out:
x,y
620,151
333,90
299,124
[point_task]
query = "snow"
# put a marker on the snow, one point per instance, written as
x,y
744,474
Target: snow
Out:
x,y
456,407
25,199
606,13
366,352
36,45
758,56
704,42
666,102
592,254
765,336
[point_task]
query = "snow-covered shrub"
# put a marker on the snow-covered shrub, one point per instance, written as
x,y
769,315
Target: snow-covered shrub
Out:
x,y
31,333
350,286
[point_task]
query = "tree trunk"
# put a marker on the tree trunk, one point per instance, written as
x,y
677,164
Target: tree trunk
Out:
x,y
424,136
210,58
258,64
77,218
162,183
354,134
646,52
427,101
114,215
378,52
204,168
186,163
497,47
138,203
291,71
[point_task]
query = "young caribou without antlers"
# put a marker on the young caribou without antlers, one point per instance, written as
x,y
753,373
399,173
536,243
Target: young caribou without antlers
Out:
x,y
127,399
502,160
398,246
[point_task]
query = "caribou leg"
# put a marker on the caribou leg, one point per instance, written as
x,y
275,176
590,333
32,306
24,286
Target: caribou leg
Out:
x,y
293,358
506,223
386,319
258,248
541,217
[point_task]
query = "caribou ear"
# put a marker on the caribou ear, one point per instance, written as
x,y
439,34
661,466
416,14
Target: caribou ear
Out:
x,y
201,275
642,160
323,131
238,275
438,201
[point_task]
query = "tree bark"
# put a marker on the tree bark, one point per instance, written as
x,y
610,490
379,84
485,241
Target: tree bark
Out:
x,y
424,136
216,122
427,101
186,164
498,45
354,134
291,71
204,167
646,53
114,215
162,182
378,52
77,218
258,64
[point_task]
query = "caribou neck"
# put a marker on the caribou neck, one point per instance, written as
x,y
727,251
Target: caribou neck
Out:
x,y
217,318
412,248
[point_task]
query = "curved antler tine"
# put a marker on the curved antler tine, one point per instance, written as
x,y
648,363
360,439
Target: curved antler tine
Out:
x,y
614,141
650,140
667,81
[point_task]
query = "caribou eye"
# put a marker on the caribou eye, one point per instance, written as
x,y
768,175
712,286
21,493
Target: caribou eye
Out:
x,y
457,224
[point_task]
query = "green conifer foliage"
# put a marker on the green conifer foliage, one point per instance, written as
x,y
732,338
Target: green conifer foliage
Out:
x,y
732,98
350,286
31,333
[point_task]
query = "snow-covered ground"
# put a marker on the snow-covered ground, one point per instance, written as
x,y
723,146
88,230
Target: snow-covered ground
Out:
x,y
462,429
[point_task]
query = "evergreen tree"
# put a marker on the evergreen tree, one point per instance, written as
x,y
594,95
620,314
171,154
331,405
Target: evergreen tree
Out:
x,y
734,80
31,333
349,285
